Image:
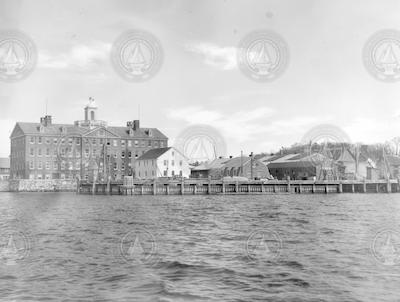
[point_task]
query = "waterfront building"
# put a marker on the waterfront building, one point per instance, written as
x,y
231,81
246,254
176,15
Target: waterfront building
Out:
x,y
4,168
87,148
162,162
303,166
234,166
359,166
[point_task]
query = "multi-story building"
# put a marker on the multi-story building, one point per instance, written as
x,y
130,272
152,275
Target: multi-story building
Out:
x,y
88,148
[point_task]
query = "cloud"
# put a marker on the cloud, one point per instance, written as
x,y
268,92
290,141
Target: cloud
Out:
x,y
79,57
223,58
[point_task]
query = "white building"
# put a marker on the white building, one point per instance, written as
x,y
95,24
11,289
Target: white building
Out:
x,y
162,162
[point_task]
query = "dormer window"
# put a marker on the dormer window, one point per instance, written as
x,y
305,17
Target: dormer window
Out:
x,y
131,132
63,129
41,128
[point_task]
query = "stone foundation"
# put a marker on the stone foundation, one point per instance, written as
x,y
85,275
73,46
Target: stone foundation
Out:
x,y
41,185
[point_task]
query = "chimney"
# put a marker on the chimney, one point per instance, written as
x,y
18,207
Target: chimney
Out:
x,y
46,120
136,125
129,124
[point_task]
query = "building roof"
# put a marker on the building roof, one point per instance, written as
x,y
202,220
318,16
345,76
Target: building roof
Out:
x,y
296,160
154,153
214,164
4,162
54,130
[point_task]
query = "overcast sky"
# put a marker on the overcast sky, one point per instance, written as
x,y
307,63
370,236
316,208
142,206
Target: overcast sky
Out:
x,y
199,81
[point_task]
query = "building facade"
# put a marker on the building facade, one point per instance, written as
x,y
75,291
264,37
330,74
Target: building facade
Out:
x,y
241,166
86,149
162,162
4,168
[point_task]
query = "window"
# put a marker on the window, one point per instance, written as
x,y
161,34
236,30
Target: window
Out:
x,y
173,173
48,176
86,152
55,140
180,173
156,144
70,141
39,152
47,140
152,173
63,141
165,172
129,143
115,166
78,141
161,144
47,152
123,143
63,165
172,163
39,176
47,165
149,144
180,163
39,140
101,141
143,143
122,154
115,143
136,143
173,153
40,165
165,162
32,141
122,166
115,155
130,154
31,151
31,165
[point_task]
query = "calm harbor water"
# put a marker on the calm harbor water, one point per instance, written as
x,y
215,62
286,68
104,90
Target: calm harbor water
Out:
x,y
67,247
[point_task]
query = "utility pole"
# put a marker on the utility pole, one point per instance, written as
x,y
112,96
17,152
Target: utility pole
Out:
x,y
241,163
251,165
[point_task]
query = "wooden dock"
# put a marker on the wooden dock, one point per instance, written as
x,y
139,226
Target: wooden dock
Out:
x,y
212,187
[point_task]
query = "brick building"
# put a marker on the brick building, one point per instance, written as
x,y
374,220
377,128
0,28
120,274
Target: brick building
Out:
x,y
82,150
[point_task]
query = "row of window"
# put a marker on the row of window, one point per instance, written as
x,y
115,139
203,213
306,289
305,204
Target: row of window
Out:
x,y
153,173
97,141
152,162
67,165
74,153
